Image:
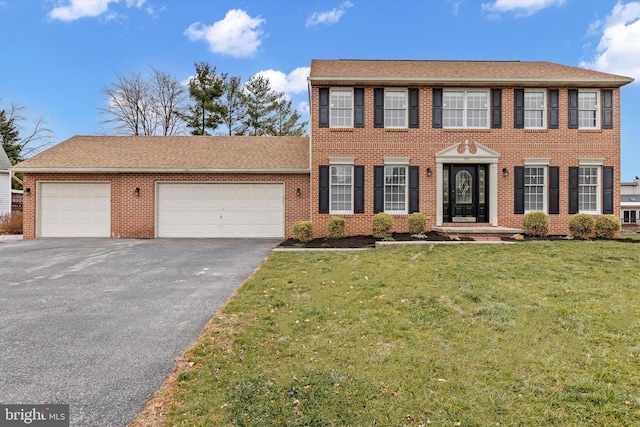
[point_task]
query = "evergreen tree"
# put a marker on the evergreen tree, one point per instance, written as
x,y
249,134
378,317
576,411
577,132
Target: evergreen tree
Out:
x,y
234,108
287,119
205,114
260,102
10,137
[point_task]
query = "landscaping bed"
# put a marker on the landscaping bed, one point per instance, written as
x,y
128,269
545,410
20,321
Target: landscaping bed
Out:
x,y
368,241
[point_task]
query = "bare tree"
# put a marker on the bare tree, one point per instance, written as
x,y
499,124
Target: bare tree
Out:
x,y
144,107
20,139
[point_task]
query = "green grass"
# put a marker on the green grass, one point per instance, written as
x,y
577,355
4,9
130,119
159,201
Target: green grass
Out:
x,y
532,334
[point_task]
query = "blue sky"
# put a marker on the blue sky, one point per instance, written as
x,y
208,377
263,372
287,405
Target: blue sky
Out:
x,y
56,55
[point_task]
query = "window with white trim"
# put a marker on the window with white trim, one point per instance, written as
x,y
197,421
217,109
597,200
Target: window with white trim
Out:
x,y
341,108
630,216
534,109
535,189
588,109
341,189
465,108
589,189
395,108
395,189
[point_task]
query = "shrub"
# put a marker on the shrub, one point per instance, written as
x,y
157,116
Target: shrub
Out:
x,y
519,237
11,223
417,223
382,223
536,224
582,226
607,226
336,228
303,231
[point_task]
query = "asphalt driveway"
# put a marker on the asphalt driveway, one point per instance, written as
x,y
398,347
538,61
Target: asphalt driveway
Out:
x,y
98,323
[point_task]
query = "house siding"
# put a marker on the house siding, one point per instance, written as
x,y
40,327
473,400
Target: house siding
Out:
x,y
134,217
370,145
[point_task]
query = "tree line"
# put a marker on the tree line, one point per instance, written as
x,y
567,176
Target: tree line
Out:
x,y
211,104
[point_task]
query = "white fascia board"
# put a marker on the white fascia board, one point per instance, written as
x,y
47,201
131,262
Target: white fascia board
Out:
x,y
154,170
604,82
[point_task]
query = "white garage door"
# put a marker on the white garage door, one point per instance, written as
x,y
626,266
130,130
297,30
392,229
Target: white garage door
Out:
x,y
75,209
220,210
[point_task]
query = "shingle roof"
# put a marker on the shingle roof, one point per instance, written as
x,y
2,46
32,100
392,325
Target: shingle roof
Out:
x,y
440,72
173,154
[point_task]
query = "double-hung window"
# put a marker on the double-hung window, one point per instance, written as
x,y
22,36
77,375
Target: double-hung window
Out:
x,y
341,108
629,216
534,189
588,109
534,109
465,109
395,108
341,189
589,189
395,189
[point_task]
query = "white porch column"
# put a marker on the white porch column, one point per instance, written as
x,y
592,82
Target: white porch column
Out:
x,y
439,196
493,194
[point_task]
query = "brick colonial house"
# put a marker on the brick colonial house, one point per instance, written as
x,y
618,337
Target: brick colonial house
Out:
x,y
474,145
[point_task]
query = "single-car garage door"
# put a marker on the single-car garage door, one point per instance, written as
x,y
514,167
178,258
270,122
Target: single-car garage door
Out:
x,y
220,210
75,209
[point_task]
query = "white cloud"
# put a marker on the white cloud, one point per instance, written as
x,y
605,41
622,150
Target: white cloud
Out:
x,y
329,17
520,7
75,9
237,35
292,83
619,49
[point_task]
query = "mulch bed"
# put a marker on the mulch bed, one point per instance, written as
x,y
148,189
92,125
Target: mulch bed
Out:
x,y
365,241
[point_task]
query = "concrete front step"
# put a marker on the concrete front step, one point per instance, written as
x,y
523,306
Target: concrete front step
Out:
x,y
477,233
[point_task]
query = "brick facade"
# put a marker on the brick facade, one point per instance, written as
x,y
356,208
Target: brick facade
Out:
x,y
134,217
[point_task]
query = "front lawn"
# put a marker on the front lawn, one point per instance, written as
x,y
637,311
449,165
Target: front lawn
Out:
x,y
531,334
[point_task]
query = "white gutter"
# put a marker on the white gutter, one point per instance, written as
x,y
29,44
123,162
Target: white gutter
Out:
x,y
155,170
475,80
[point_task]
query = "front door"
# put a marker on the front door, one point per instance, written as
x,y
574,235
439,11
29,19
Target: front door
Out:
x,y
465,193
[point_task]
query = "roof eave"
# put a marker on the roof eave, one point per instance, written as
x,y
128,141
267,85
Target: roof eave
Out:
x,y
466,81
159,170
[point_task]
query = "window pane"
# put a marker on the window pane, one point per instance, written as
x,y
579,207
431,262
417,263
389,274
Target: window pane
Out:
x,y
534,109
588,189
341,188
341,111
588,109
395,188
534,189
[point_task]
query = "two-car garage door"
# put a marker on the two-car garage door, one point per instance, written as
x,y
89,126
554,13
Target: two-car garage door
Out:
x,y
220,210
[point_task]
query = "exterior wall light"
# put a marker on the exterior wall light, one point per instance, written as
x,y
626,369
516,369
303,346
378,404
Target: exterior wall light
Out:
x,y
505,172
429,172
298,192
27,191
136,192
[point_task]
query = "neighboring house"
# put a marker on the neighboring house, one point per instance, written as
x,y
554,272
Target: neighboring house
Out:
x,y
473,145
630,205
5,183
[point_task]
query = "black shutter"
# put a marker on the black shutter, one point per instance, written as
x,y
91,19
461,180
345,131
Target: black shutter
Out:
x,y
607,190
414,108
378,108
607,109
323,94
414,187
378,189
574,173
358,189
323,199
573,108
554,103
518,111
436,117
358,107
554,190
496,108
518,190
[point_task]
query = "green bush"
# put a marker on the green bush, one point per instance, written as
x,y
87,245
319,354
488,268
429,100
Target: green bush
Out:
x,y
336,228
303,231
417,223
382,223
582,226
536,224
607,226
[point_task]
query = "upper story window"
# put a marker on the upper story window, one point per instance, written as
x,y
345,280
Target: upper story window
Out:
x,y
341,108
465,108
534,109
395,108
588,110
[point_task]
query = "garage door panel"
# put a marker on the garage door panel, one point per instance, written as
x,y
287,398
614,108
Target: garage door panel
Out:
x,y
73,209
221,210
